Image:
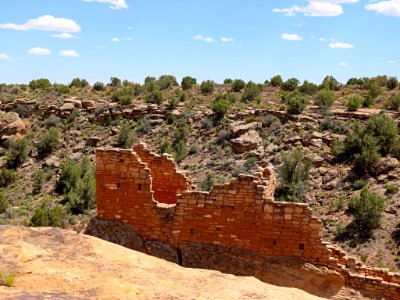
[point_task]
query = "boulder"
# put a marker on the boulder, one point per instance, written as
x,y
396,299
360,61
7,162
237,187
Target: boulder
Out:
x,y
247,142
88,104
77,103
11,124
238,129
67,107
385,165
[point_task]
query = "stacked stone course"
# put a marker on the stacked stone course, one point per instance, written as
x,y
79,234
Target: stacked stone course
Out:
x,y
146,191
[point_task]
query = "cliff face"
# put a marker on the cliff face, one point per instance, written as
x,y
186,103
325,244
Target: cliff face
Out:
x,y
65,265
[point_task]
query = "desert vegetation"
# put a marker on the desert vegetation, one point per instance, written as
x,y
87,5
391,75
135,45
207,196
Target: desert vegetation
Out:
x,y
333,145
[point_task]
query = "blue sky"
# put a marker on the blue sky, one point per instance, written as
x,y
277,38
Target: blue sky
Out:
x,y
207,39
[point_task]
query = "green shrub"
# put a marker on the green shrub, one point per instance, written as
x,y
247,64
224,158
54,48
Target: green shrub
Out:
x,y
42,83
250,163
57,216
359,184
354,103
40,217
98,86
123,96
7,279
17,152
394,102
367,210
208,182
207,87
276,81
115,82
172,103
392,83
290,84
325,99
4,204
368,101
308,88
44,216
84,197
384,129
251,91
391,188
166,81
125,138
143,126
330,83
69,177
238,85
188,82
374,89
296,102
48,141
78,83
220,107
369,155
61,89
38,180
155,96
52,121
228,81
294,175
6,177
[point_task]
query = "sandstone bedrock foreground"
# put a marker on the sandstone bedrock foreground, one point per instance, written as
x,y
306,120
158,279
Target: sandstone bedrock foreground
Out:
x,y
53,263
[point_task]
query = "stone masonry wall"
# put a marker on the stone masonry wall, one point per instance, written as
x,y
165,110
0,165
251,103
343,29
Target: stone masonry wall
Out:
x,y
238,215
167,181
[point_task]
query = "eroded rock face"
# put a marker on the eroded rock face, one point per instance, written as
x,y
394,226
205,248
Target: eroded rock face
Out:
x,y
11,124
385,165
247,142
61,264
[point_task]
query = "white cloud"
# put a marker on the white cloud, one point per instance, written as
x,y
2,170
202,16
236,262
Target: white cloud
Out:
x,y
45,23
291,37
129,39
388,8
317,8
39,51
343,64
130,28
115,40
100,46
4,56
341,45
227,40
206,39
69,53
64,35
322,39
391,61
114,4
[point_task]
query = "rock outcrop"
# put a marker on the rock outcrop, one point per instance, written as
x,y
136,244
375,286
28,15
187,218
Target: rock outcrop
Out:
x,y
58,264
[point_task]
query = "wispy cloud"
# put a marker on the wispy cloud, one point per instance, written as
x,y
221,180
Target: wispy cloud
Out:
x,y
63,35
206,39
341,45
45,23
343,64
317,8
4,56
114,4
39,51
227,40
115,40
291,37
388,8
391,61
69,53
